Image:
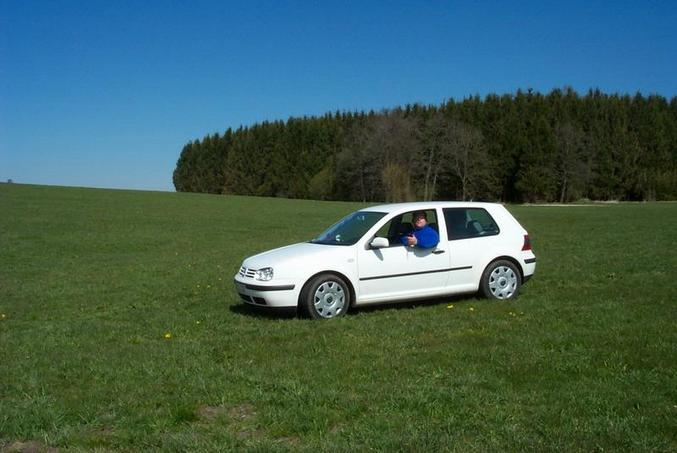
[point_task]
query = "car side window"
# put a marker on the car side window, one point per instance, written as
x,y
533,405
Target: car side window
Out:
x,y
402,225
393,230
464,223
431,217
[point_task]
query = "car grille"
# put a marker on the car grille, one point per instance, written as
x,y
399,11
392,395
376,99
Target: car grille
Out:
x,y
244,272
253,300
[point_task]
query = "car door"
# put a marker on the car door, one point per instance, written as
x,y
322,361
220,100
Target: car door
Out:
x,y
472,235
401,272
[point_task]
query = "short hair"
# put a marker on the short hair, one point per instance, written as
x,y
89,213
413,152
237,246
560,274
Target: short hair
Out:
x,y
419,214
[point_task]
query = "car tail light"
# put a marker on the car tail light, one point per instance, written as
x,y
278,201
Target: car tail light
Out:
x,y
527,243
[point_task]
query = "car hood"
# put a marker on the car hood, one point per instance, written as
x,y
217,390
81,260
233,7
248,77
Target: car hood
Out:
x,y
284,259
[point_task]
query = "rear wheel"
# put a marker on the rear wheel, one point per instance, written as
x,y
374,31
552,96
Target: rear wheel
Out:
x,y
325,296
501,280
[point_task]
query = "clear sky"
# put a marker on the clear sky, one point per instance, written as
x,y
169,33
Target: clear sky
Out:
x,y
106,93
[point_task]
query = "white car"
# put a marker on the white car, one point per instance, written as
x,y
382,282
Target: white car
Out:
x,y
361,260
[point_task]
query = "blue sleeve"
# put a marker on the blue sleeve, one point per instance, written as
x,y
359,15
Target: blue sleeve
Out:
x,y
427,238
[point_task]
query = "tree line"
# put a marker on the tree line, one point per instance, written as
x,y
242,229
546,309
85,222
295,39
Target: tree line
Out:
x,y
522,147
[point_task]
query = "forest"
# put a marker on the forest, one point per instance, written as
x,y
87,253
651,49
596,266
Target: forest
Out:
x,y
522,147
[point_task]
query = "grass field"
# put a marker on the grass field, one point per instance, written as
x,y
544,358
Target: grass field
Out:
x,y
120,330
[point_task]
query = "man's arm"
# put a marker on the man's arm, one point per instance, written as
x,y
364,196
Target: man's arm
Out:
x,y
427,238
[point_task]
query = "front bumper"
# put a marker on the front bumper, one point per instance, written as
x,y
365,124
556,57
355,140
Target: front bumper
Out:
x,y
267,294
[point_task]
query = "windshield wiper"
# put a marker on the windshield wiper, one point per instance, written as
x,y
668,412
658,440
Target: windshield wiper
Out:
x,y
328,242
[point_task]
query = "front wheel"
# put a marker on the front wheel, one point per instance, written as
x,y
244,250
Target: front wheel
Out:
x,y
325,296
500,280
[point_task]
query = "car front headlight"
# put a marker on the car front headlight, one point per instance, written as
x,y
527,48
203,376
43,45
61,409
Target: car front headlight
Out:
x,y
264,274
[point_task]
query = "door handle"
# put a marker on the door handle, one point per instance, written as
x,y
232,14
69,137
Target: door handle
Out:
x,y
437,252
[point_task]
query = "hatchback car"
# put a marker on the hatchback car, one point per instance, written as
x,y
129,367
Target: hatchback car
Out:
x,y
362,260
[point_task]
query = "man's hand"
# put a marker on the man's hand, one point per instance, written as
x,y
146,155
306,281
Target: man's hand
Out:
x,y
411,240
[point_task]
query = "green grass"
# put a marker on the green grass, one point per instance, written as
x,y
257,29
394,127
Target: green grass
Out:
x,y
91,281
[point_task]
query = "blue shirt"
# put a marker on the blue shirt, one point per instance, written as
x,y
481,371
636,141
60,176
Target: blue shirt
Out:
x,y
426,237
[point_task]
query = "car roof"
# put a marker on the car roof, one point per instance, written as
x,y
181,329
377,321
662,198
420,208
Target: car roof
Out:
x,y
423,205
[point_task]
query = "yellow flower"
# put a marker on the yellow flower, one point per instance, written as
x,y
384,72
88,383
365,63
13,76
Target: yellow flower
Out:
x,y
450,306
197,322
168,335
3,316
471,309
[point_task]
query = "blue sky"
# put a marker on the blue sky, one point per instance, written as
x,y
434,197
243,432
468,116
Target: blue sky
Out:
x,y
105,94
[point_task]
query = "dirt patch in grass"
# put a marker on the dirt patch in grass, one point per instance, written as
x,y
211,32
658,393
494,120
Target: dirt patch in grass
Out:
x,y
31,446
243,412
210,413
240,413
251,433
292,440
336,428
101,434
239,416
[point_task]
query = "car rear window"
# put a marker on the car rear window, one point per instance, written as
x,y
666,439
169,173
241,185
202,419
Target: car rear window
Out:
x,y
464,223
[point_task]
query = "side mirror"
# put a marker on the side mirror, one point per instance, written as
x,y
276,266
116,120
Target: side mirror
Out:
x,y
379,243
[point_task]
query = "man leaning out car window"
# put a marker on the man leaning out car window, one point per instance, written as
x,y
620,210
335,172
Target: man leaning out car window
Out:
x,y
423,235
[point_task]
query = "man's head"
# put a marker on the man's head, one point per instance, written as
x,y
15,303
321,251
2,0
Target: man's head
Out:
x,y
419,219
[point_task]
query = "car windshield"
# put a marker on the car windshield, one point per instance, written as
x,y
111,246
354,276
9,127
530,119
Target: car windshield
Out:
x,y
350,229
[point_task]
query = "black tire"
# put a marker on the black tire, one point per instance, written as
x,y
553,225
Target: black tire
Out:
x,y
325,296
501,280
